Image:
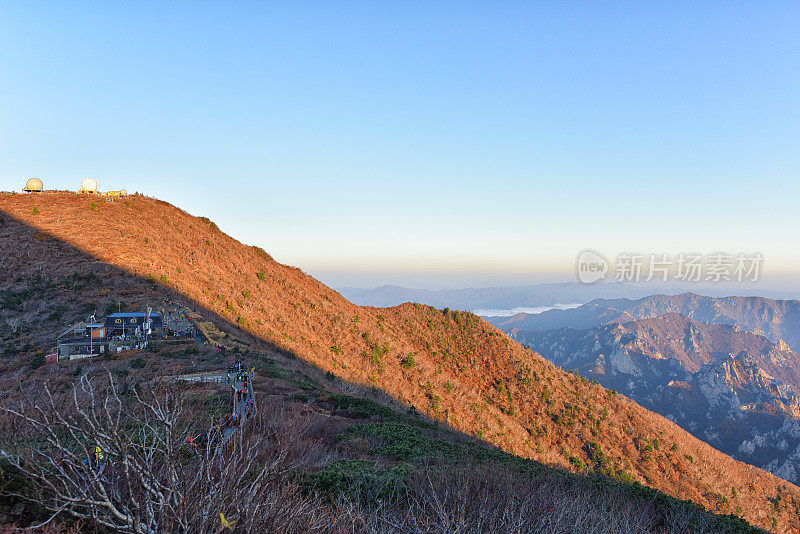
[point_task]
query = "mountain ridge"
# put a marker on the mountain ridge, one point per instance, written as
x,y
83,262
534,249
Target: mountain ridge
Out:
x,y
453,366
775,319
531,296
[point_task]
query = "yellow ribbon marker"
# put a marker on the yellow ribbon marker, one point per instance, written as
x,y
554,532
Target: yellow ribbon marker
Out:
x,y
225,523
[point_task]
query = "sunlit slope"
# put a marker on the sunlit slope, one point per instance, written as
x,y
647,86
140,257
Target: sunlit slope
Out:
x,y
452,365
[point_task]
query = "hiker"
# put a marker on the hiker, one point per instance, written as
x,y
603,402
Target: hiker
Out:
x,y
192,444
98,456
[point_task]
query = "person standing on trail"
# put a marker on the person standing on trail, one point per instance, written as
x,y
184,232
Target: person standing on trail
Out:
x,y
192,444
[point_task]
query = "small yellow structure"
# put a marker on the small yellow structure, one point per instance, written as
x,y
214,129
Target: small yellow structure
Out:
x,y
121,193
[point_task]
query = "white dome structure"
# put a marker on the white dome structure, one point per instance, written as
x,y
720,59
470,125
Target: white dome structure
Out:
x,y
89,185
33,185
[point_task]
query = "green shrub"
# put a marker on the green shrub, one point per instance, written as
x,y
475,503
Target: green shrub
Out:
x,y
408,362
357,477
579,465
37,360
360,408
546,396
216,405
399,442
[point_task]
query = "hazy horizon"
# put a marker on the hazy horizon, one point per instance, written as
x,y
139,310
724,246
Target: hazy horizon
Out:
x,y
442,281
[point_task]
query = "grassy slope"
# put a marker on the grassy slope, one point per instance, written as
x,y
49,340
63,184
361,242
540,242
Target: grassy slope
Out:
x,y
466,372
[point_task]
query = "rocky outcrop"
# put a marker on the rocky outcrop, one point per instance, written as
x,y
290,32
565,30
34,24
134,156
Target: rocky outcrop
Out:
x,y
733,388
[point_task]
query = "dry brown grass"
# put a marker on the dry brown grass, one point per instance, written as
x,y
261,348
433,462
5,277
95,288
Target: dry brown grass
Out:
x,y
466,373
275,489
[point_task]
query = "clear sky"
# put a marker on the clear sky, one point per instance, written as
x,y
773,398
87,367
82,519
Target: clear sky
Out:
x,y
433,143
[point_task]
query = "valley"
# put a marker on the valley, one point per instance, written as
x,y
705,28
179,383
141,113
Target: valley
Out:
x,y
722,368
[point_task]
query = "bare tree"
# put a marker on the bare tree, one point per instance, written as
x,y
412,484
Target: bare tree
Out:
x,y
122,460
13,323
149,480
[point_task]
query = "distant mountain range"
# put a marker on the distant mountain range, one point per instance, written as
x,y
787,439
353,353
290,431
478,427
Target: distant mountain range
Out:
x,y
726,369
479,300
774,319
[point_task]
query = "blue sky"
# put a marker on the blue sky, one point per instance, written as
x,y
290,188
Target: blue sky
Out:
x,y
425,143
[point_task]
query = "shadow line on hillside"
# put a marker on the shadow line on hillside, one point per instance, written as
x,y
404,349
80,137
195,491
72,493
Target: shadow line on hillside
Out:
x,y
38,252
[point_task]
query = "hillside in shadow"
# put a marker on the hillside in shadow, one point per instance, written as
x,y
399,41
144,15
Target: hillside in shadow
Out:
x,y
65,255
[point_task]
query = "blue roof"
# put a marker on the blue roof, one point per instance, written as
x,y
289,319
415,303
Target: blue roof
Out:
x,y
134,314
